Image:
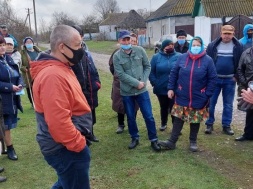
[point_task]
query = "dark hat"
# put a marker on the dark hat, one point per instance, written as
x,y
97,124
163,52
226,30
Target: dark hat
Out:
x,y
123,34
3,26
165,43
24,41
181,33
79,29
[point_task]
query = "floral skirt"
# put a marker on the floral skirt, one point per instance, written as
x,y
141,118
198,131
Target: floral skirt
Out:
x,y
190,115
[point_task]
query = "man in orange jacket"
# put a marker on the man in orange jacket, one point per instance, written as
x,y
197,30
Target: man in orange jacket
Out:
x,y
62,112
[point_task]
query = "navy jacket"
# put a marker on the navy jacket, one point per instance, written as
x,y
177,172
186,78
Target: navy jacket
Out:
x,y
161,65
193,80
9,99
88,77
237,51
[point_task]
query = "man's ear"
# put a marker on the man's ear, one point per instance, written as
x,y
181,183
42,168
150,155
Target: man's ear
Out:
x,y
61,47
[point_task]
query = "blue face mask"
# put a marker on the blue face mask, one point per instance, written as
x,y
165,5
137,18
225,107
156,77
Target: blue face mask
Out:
x,y
181,41
195,50
126,47
29,46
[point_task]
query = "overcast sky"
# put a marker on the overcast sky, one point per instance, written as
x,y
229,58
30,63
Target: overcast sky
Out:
x,y
76,8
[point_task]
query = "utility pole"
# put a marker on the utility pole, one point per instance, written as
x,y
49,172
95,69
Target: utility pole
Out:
x,y
28,15
36,33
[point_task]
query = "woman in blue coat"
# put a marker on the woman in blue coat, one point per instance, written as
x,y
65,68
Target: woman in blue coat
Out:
x,y
192,82
10,83
161,65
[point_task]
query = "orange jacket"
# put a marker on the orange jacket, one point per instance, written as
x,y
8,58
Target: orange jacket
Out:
x,y
57,97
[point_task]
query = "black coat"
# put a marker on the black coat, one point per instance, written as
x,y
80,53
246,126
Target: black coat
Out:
x,y
184,49
87,75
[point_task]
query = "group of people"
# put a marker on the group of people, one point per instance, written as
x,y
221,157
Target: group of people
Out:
x,y
186,78
14,77
74,112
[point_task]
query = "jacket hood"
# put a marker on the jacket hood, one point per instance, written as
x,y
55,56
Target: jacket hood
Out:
x,y
246,28
44,60
202,43
245,38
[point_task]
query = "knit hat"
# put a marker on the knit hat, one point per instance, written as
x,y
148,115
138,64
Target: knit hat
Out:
x,y
181,33
165,43
9,40
24,41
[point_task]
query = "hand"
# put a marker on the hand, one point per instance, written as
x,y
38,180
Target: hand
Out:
x,y
141,85
15,88
247,95
170,94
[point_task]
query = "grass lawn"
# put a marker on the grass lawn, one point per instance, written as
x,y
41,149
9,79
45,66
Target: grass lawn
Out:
x,y
220,164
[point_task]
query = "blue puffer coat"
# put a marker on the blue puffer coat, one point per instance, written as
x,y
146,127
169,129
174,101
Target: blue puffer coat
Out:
x,y
161,65
10,101
193,80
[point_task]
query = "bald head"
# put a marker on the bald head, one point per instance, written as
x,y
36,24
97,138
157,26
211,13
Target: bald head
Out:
x,y
61,34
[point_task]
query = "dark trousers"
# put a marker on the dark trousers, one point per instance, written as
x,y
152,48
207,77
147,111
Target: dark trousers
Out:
x,y
177,127
29,95
121,119
72,168
166,105
248,129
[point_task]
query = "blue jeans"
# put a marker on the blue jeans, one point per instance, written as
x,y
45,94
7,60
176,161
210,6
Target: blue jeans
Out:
x,y
144,103
72,168
227,86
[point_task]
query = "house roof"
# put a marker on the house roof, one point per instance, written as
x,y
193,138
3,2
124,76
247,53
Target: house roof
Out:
x,y
172,8
125,20
220,8
114,19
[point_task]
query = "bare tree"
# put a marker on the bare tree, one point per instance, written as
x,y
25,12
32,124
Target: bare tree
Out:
x,y
90,24
44,30
104,7
143,12
16,25
62,18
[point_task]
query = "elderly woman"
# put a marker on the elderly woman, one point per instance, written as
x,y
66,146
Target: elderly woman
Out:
x,y
2,178
29,52
10,83
192,82
161,66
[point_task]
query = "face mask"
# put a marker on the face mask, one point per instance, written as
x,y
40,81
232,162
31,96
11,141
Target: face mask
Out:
x,y
77,55
250,35
181,41
195,50
126,47
170,50
29,46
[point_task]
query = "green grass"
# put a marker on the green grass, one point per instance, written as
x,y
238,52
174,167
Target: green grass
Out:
x,y
220,164
107,47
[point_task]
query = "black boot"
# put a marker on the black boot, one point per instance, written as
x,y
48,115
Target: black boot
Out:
x,y
176,130
193,146
155,146
194,129
94,138
4,151
2,179
11,153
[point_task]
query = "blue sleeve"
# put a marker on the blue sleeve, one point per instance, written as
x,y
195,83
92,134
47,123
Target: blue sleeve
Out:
x,y
211,78
152,75
174,76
